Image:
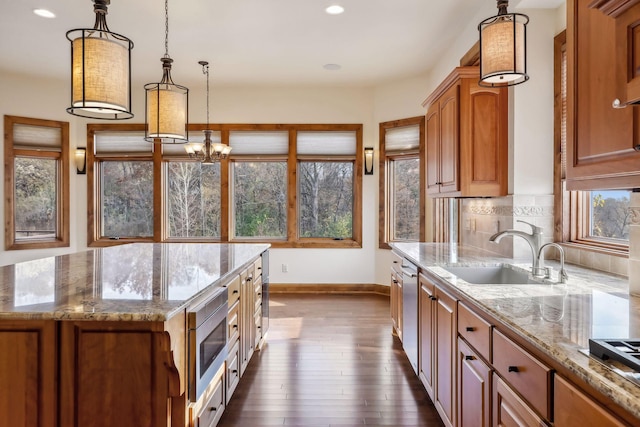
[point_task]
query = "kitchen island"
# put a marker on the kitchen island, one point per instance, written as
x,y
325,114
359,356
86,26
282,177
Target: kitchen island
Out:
x,y
548,323
100,337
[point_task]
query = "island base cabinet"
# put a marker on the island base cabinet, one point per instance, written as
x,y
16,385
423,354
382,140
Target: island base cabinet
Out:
x,y
509,410
209,412
575,409
27,373
116,374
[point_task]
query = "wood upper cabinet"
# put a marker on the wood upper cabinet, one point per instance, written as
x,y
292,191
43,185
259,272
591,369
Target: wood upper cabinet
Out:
x,y
601,139
28,364
466,131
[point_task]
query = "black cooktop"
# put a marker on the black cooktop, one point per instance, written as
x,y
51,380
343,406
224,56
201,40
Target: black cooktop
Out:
x,y
625,351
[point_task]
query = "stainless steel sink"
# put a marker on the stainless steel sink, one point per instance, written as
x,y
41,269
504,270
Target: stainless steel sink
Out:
x,y
491,275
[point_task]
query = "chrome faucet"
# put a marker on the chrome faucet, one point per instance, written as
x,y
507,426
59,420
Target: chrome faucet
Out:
x,y
562,274
535,242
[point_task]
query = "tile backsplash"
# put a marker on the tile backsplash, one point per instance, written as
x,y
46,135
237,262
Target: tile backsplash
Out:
x,y
481,218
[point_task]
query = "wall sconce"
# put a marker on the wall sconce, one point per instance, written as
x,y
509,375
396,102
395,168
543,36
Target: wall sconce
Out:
x,y
81,161
368,160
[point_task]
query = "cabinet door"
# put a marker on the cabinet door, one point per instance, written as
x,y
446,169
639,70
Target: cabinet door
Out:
x,y
427,343
449,139
432,139
27,378
484,144
509,410
575,409
474,389
600,138
628,54
446,356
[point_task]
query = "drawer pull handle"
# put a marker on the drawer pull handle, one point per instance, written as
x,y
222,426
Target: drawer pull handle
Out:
x,y
212,409
469,357
513,369
234,372
432,298
235,326
395,262
235,292
395,282
470,328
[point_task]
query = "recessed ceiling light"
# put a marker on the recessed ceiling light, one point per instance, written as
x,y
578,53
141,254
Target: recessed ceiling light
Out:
x,y
44,13
334,10
332,67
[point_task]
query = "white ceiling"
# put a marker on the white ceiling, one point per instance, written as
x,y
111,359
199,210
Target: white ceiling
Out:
x,y
247,42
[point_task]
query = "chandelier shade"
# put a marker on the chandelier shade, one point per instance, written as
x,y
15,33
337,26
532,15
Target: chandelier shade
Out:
x,y
503,48
100,70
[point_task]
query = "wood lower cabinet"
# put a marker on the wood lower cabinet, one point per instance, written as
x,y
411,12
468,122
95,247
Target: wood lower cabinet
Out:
x,y
28,365
209,410
396,302
116,373
474,388
601,140
426,331
509,410
466,132
573,408
446,356
232,369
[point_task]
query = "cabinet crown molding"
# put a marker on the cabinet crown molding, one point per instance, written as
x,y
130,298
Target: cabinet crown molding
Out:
x,y
457,73
612,8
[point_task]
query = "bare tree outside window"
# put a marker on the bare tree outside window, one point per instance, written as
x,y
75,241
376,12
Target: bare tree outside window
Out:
x,y
127,198
35,198
194,199
406,199
260,199
326,199
610,214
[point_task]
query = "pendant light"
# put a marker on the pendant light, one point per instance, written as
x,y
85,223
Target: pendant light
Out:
x,y
503,48
100,70
207,151
167,104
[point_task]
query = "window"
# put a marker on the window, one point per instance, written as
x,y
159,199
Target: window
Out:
x,y
124,174
402,207
36,183
290,185
596,219
326,163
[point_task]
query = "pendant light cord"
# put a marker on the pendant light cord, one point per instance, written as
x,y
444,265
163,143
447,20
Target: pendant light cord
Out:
x,y
166,28
205,70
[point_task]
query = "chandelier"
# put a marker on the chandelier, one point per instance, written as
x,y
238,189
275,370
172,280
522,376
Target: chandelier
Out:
x,y
207,151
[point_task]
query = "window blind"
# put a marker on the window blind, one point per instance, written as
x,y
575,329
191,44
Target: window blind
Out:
x,y
41,137
326,143
123,143
402,139
259,142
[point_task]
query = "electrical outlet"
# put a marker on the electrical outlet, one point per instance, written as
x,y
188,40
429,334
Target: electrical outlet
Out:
x,y
285,268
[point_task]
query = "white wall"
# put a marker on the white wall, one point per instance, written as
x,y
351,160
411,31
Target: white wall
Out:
x,y
532,123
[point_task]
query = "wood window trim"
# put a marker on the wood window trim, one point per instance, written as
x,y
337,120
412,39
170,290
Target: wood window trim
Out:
x,y
63,204
292,239
571,216
384,215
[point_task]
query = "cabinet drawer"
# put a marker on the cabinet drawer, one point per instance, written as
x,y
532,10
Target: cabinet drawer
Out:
x,y
396,262
509,410
233,289
257,319
212,410
233,323
257,266
523,372
475,331
233,369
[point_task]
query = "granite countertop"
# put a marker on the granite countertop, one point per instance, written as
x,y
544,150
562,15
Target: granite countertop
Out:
x,y
557,319
132,282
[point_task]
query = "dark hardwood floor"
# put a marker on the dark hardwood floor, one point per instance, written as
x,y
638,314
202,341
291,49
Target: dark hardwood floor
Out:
x,y
330,360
